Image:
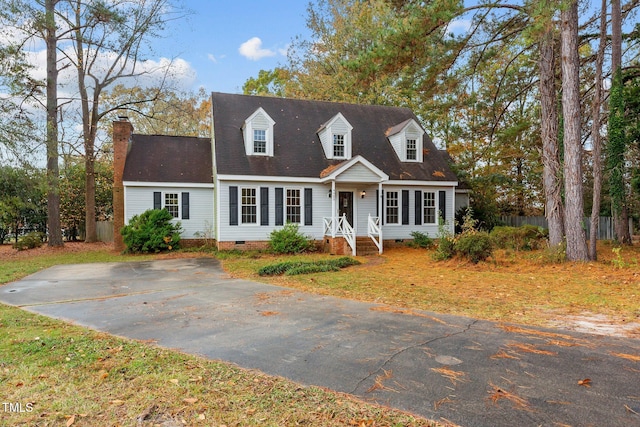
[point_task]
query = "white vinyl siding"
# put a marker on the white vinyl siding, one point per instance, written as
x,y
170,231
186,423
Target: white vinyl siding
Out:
x,y
400,142
258,134
336,127
321,208
358,173
201,214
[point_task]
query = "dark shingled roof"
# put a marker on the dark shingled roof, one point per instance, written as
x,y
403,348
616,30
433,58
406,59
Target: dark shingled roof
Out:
x,y
297,148
158,158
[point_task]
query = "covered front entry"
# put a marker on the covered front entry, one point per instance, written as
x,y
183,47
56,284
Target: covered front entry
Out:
x,y
356,185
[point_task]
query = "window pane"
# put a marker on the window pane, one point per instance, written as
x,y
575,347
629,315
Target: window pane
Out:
x,y
429,207
171,203
249,206
412,152
392,207
259,141
338,145
293,206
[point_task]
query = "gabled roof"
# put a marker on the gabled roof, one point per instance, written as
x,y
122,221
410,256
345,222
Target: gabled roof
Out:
x,y
159,158
297,148
332,172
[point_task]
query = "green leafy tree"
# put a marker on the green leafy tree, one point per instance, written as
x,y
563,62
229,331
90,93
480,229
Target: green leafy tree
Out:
x,y
22,201
269,82
163,112
72,203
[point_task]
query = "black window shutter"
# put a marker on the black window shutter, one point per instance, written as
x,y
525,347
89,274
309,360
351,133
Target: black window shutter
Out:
x,y
279,206
442,203
233,205
264,206
418,207
405,207
308,206
157,200
185,205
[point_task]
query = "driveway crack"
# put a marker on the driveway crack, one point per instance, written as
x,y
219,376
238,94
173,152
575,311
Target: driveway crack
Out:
x,y
411,347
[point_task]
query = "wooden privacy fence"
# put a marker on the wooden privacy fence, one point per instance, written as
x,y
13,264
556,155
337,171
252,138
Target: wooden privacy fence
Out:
x,y
605,230
104,230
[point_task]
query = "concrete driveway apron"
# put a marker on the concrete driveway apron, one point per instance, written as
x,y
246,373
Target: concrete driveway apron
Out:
x,y
469,372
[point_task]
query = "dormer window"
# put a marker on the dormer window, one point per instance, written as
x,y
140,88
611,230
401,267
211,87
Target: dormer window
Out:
x,y
412,151
335,136
258,134
259,141
338,146
406,139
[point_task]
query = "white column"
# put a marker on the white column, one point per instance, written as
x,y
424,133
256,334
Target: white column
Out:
x,y
334,216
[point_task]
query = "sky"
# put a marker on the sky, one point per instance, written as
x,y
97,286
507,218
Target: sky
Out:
x,y
226,42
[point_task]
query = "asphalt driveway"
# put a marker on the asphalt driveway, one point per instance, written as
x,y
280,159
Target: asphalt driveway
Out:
x,y
439,366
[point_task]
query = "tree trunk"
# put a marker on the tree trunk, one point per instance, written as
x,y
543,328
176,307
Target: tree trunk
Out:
x,y
549,132
88,134
596,140
53,170
574,201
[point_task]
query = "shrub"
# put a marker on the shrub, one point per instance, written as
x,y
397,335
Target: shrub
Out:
x,y
344,261
300,267
29,241
289,240
151,231
311,268
445,250
526,237
421,240
475,247
446,243
277,269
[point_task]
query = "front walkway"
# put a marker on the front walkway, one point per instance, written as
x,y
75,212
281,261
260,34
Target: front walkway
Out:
x,y
472,373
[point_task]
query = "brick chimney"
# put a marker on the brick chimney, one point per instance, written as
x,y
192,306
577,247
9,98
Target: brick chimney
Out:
x,y
122,130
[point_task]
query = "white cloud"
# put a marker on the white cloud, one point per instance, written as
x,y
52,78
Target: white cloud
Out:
x,y
212,58
458,26
252,49
285,50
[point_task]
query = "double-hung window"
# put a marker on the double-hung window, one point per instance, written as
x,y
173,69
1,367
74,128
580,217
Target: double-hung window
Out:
x,y
293,206
259,141
171,204
249,211
429,215
338,145
393,208
412,151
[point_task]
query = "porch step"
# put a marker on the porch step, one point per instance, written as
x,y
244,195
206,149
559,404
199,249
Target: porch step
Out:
x,y
365,246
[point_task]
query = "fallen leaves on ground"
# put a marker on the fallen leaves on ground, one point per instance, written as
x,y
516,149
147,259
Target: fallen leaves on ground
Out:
x,y
497,393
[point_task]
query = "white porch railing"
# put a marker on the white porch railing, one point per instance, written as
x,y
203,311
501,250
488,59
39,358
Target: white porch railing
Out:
x,y
374,231
340,227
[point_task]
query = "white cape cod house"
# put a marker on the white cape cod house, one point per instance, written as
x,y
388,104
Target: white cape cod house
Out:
x,y
351,176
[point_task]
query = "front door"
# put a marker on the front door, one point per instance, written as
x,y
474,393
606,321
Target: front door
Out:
x,y
345,205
